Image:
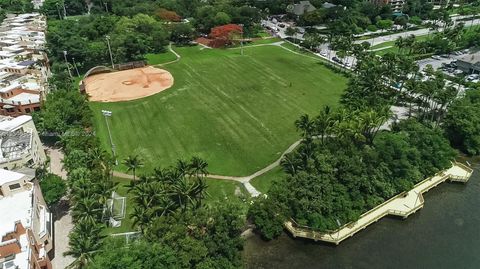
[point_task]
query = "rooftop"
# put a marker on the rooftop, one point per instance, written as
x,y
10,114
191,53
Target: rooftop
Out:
x,y
10,124
5,177
473,58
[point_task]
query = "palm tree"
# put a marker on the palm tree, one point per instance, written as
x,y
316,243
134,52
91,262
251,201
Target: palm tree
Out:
x,y
198,167
87,209
289,164
85,239
141,217
132,163
371,121
306,125
400,43
182,167
323,123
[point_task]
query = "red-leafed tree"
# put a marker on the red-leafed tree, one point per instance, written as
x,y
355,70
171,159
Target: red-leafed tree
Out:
x,y
168,15
224,35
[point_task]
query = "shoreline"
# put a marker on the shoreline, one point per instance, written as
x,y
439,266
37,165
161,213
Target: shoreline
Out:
x,y
403,205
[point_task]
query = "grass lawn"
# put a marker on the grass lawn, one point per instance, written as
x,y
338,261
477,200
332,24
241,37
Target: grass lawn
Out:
x,y
161,58
263,182
392,43
217,191
234,111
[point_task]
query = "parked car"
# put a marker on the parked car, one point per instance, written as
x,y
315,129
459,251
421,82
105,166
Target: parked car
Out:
x,y
323,53
336,59
446,56
458,72
436,57
472,77
458,53
281,25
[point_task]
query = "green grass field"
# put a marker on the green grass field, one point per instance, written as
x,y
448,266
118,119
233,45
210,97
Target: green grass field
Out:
x,y
265,181
236,112
154,59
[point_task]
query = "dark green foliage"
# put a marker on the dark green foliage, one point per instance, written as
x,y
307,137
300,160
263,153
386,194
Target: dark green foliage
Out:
x,y
462,123
15,6
138,255
349,170
53,188
203,238
85,39
64,109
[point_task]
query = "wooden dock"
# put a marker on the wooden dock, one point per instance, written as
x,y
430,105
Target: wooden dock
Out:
x,y
402,205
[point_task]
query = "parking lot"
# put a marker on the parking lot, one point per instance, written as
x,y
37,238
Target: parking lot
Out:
x,y
447,63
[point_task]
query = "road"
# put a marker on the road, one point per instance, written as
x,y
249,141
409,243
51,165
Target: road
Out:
x,y
419,32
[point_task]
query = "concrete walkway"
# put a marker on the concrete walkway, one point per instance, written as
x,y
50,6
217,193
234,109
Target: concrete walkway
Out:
x,y
64,224
402,205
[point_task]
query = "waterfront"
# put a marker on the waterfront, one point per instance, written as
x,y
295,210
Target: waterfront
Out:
x,y
444,234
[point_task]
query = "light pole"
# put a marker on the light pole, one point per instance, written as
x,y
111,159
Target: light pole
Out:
x,y
241,41
64,10
110,50
58,10
66,62
75,65
107,113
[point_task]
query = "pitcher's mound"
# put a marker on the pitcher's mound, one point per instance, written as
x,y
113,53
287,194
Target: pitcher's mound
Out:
x,y
127,85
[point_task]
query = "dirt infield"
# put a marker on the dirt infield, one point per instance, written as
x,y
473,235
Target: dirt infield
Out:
x,y
127,85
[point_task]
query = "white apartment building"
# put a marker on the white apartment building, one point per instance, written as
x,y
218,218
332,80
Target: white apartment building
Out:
x,y
25,223
20,143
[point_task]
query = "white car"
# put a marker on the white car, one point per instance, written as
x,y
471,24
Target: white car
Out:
x,y
323,53
472,77
458,72
436,57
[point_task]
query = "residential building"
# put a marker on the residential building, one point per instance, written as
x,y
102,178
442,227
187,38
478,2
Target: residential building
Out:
x,y
37,4
301,8
469,63
25,223
441,2
20,144
24,66
396,5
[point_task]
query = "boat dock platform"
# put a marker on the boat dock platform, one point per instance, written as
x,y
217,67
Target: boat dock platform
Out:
x,y
402,205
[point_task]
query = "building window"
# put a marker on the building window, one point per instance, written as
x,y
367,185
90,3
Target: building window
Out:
x,y
27,110
14,186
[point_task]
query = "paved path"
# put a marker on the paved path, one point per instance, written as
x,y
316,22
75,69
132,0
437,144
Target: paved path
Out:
x,y
244,180
402,205
63,225
176,55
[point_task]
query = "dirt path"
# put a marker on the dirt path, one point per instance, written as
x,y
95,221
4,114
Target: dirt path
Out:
x,y
63,220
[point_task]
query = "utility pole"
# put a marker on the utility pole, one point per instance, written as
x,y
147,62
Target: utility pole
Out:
x,y
66,62
75,65
107,114
110,50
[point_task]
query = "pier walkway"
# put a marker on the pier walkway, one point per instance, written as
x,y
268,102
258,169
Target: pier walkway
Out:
x,y
402,205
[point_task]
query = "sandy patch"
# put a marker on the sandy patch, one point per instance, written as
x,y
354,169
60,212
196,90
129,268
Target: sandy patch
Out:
x,y
127,85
